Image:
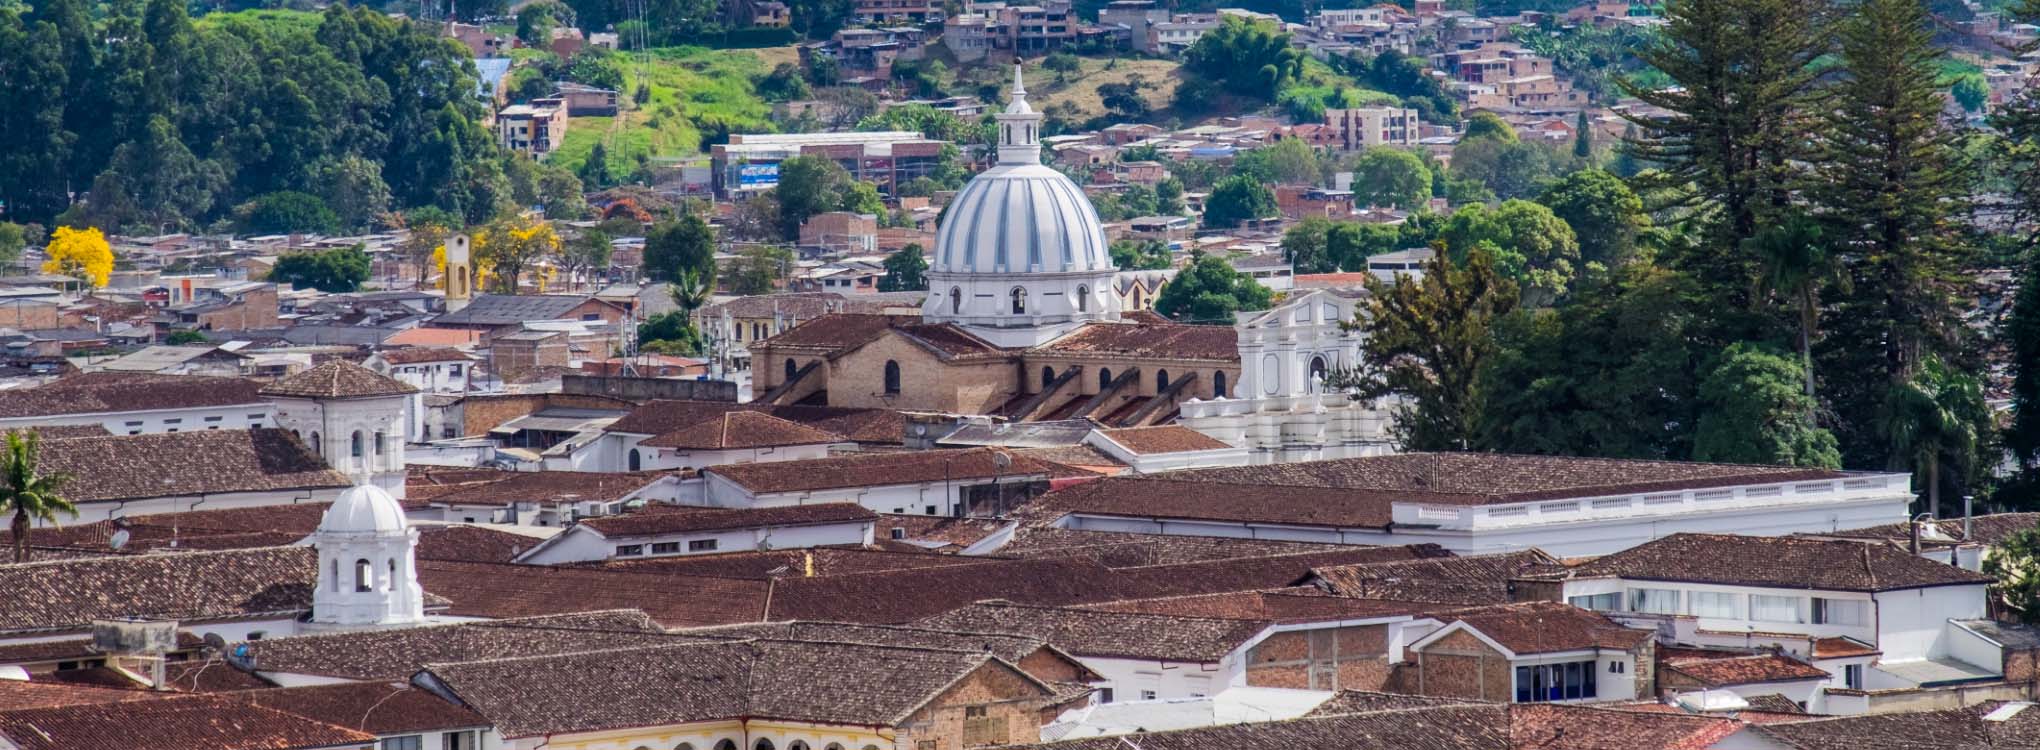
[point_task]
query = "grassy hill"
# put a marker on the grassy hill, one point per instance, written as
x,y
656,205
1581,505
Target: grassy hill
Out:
x,y
688,85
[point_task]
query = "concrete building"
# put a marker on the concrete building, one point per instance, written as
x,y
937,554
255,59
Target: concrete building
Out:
x,y
357,419
1367,127
749,163
532,130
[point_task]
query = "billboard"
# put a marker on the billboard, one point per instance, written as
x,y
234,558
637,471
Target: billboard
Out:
x,y
757,176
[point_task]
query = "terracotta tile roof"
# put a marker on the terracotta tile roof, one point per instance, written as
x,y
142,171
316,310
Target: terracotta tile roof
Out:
x,y
68,595
1838,648
1547,627
98,392
500,591
338,378
422,336
1774,703
1745,670
1988,529
666,519
210,675
1165,496
1488,478
880,469
1259,572
1121,635
1474,579
1778,562
742,429
685,683
1075,456
1280,606
1168,341
807,305
861,425
1007,646
46,693
903,596
1164,439
950,532
768,564
412,355
1543,725
381,708
1445,727
131,467
383,655
1362,701
549,487
214,722
32,652
1963,728
1124,550
471,543
837,334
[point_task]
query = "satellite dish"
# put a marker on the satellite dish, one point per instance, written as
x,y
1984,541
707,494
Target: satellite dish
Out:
x,y
15,673
214,643
118,540
1002,460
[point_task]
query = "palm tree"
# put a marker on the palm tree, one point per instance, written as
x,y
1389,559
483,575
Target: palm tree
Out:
x,y
28,492
692,290
1796,262
1934,416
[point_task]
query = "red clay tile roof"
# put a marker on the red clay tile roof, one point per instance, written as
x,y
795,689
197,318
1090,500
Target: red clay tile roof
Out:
x,y
99,392
837,334
1164,439
767,564
1293,605
1107,634
471,543
1986,529
861,425
1165,496
1745,670
43,692
1952,728
1489,478
1541,726
386,655
1440,727
1169,341
549,487
881,469
338,378
1837,648
381,708
415,354
1546,627
742,429
1007,646
67,595
667,519
1778,562
1124,550
1474,579
130,467
214,722
499,591
1259,572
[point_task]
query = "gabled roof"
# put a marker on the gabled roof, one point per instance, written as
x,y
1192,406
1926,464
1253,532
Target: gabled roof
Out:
x,y
215,722
412,355
384,655
837,334
1164,439
1171,341
100,392
1529,628
665,519
513,309
548,487
1984,726
381,708
735,430
862,425
169,464
338,379
1746,669
881,469
67,595
1473,579
1778,562
1126,635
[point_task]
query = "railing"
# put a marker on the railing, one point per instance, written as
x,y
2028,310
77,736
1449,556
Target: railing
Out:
x,y
1657,503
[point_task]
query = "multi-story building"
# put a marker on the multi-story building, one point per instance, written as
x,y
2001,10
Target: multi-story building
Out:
x,y
750,163
1034,28
1176,35
971,36
533,129
1367,127
1135,16
877,12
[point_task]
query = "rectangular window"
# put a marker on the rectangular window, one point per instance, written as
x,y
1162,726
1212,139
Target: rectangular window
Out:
x,y
1841,611
1147,695
1775,608
176,420
1608,602
459,741
134,424
406,742
1104,695
629,550
665,548
453,370
1556,682
1714,604
1654,601
213,419
701,545
1852,676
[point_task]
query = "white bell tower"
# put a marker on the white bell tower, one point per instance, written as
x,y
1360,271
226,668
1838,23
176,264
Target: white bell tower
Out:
x,y
368,572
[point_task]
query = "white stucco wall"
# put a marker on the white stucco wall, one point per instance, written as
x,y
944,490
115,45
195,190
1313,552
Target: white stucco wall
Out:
x,y
231,417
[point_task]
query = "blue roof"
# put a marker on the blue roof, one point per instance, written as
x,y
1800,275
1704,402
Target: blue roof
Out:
x,y
492,70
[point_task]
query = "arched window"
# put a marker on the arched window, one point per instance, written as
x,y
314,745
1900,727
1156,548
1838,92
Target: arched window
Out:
x,y
796,745
1047,376
636,461
1083,299
1161,380
955,301
317,445
684,746
356,444
726,745
379,438
1019,296
335,570
892,378
762,744
790,368
390,583
1218,385
1104,377
833,746
462,285
364,576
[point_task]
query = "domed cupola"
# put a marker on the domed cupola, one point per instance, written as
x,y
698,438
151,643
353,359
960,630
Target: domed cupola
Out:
x,y
367,563
1020,258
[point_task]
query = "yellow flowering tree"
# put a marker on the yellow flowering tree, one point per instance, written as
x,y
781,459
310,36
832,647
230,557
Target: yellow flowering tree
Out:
x,y
507,247
80,253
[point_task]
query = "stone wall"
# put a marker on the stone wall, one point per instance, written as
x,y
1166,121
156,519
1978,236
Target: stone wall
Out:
x,y
992,706
640,390
1353,658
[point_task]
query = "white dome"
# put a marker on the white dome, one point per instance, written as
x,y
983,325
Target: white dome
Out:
x,y
364,509
1021,218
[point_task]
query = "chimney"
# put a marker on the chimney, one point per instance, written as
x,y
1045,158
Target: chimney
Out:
x,y
1914,523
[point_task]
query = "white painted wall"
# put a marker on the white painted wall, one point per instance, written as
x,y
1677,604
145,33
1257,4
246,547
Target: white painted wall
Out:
x,y
582,543
1168,679
334,422
94,512
931,498
1913,623
231,417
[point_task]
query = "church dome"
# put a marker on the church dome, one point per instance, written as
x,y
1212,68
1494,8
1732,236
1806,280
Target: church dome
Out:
x,y
1021,218
364,509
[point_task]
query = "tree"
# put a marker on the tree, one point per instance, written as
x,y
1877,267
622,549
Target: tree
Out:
x,y
182,338
353,188
587,253
535,22
1428,339
1796,263
1129,255
1169,197
1062,64
1753,411
675,248
1304,245
32,169
808,185
13,237
1605,215
288,212
559,191
1123,100
82,254
2022,334
1391,177
905,271
339,270
26,491
692,290
1210,291
1507,168
1971,92
1487,126
429,227
758,271
1245,58
1348,244
594,172
1583,138
1525,241
1236,200
1935,419
2014,567
1288,161
669,333
508,247
783,84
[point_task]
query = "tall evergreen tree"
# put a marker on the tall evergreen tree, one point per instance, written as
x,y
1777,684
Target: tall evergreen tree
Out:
x,y
1893,182
32,79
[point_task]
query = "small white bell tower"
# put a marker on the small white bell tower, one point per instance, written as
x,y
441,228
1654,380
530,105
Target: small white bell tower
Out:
x,y
368,571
